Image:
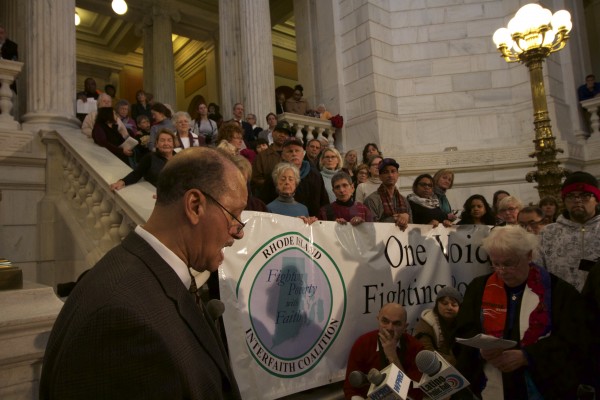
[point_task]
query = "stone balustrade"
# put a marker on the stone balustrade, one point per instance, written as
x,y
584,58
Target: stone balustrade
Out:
x,y
97,218
308,128
593,106
8,72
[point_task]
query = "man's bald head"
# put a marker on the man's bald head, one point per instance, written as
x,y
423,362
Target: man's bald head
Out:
x,y
196,168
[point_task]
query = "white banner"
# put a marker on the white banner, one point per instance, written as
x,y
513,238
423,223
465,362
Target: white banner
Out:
x,y
297,297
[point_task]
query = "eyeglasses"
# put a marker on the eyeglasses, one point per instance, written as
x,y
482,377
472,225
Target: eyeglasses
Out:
x,y
241,224
532,224
508,265
425,184
583,196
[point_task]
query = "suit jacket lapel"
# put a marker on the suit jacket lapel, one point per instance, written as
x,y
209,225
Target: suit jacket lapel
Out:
x,y
175,290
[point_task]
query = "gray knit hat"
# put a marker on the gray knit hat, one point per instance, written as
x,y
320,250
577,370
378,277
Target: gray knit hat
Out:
x,y
449,291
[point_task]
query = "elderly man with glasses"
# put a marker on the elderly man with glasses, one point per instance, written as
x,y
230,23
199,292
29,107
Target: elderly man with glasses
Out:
x,y
131,328
571,246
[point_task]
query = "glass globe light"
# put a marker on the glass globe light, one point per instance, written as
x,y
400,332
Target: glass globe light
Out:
x,y
119,6
562,19
77,19
502,37
516,26
549,38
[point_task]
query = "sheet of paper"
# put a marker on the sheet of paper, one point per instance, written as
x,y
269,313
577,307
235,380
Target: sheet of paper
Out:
x,y
129,143
486,342
86,107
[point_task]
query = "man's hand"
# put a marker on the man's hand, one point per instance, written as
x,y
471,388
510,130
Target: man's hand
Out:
x,y
505,361
389,344
401,220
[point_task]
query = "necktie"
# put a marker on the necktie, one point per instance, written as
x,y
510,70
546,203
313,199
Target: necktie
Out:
x,y
196,293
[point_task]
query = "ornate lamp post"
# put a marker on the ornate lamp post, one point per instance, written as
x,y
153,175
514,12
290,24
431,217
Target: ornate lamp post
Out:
x,y
531,36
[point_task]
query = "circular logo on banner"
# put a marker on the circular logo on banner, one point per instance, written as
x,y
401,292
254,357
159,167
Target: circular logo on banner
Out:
x,y
296,303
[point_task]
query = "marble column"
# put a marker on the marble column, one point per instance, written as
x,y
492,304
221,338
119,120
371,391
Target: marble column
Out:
x,y
230,54
50,67
163,72
147,35
306,27
257,58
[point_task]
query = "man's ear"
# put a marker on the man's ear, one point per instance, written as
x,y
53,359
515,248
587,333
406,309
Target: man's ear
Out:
x,y
194,205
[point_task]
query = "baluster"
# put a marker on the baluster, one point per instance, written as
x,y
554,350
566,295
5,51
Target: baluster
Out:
x,y
75,200
299,135
105,208
97,198
125,227
309,133
115,219
82,195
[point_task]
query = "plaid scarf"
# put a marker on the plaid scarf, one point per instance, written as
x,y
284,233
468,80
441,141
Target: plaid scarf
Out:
x,y
392,206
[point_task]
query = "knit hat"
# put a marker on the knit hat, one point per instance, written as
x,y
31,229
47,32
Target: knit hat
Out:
x,y
449,291
582,182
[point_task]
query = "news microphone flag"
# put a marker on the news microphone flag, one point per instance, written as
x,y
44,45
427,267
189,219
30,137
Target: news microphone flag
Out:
x,y
393,384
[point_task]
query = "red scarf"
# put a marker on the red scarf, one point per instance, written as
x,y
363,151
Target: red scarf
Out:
x,y
494,306
388,203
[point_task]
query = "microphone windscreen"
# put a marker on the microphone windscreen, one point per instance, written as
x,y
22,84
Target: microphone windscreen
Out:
x,y
215,308
375,377
357,379
428,363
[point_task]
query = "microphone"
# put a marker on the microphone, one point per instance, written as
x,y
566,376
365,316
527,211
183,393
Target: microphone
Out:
x,y
358,379
440,379
215,308
376,377
390,384
428,363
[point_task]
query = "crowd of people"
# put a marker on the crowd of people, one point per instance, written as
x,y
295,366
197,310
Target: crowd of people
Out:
x,y
544,279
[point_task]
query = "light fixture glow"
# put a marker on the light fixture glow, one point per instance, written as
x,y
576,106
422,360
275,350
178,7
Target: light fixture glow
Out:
x,y
119,6
77,19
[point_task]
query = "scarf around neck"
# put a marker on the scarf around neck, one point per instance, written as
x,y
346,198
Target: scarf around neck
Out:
x,y
537,300
422,201
391,204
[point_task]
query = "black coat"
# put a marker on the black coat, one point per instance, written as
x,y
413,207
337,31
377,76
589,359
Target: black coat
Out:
x,y
9,50
131,330
556,360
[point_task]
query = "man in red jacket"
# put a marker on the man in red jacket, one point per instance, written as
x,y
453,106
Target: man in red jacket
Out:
x,y
390,344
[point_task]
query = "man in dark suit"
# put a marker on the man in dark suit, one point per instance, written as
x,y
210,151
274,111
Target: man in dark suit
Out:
x,y
8,51
238,116
9,48
130,329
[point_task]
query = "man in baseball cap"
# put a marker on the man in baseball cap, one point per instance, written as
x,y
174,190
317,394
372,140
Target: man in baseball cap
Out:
x,y
265,162
386,203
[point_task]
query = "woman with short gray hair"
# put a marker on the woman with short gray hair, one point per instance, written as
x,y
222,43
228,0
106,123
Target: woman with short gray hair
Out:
x,y
286,177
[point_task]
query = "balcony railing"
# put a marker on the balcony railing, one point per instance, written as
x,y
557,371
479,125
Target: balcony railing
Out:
x,y
80,187
592,106
308,128
8,72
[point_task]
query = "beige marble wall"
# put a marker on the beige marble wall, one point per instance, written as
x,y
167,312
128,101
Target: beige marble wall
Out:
x,y
420,77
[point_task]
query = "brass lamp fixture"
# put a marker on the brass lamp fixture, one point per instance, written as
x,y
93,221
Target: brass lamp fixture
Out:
x,y
532,35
